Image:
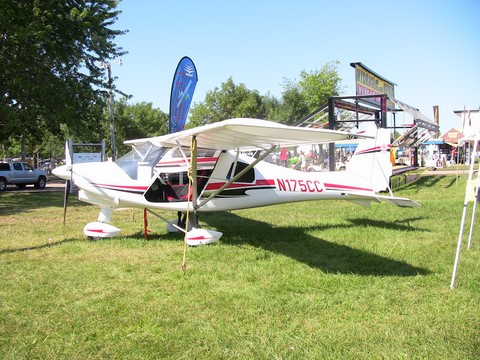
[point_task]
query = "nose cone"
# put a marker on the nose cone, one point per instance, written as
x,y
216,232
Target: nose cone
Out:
x,y
62,172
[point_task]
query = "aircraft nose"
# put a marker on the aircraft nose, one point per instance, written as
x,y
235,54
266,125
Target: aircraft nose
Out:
x,y
62,172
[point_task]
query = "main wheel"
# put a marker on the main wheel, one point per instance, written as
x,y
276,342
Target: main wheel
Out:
x,y
41,183
3,184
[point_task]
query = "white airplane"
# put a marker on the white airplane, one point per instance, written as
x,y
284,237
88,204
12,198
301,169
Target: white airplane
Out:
x,y
204,169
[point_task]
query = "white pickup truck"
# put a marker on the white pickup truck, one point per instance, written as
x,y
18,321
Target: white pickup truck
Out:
x,y
21,174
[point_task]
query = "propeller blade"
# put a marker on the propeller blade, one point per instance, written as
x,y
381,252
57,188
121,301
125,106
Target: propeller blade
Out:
x,y
65,198
68,156
68,183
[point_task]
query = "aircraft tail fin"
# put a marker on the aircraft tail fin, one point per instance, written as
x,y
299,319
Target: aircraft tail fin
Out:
x,y
371,160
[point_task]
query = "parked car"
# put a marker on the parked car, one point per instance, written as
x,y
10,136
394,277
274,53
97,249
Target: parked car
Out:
x,y
21,174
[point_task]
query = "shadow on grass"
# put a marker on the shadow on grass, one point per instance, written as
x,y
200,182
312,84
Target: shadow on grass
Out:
x,y
38,247
404,225
297,244
15,202
294,242
445,181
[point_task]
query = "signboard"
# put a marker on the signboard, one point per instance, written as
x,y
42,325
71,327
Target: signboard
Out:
x,y
470,120
369,83
436,114
86,157
452,136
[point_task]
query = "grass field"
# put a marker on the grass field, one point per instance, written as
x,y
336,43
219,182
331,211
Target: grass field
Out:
x,y
314,280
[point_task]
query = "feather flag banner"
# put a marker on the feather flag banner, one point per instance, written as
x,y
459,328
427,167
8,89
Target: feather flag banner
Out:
x,y
183,87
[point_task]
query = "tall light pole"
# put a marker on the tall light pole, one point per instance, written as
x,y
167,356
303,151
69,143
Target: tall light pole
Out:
x,y
110,105
110,110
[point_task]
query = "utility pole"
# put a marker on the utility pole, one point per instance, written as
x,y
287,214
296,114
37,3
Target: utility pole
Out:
x,y
110,110
108,66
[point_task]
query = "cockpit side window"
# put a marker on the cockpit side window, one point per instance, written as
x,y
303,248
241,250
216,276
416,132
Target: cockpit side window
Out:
x,y
169,187
248,177
201,152
145,154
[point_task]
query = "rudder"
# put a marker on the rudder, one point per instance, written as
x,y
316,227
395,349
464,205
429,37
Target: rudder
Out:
x,y
371,160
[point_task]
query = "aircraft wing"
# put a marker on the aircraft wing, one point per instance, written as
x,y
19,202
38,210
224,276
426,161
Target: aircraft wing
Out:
x,y
246,134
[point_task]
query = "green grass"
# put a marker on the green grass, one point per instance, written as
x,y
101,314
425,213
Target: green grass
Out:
x,y
313,280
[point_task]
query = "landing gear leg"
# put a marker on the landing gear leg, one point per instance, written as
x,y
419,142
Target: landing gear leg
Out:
x,y
182,219
195,219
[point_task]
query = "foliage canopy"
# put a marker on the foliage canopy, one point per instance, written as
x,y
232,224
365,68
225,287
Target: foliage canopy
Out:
x,y
298,99
231,101
50,51
53,83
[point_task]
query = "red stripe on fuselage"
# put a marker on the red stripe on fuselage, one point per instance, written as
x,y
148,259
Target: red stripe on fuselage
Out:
x,y
374,149
345,187
122,187
258,183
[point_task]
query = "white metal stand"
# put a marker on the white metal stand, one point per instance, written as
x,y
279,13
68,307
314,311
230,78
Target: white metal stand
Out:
x,y
473,155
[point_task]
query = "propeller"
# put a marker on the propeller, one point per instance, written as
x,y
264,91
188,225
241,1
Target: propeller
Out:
x,y
68,182
65,199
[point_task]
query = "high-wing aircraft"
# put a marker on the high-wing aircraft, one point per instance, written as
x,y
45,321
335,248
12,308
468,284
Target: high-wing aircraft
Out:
x,y
206,169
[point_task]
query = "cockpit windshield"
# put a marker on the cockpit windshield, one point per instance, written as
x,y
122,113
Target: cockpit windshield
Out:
x,y
144,154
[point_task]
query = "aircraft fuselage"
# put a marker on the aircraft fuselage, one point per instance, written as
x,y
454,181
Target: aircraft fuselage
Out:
x,y
165,185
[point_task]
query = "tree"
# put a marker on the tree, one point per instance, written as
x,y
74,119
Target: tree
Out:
x,y
307,95
317,86
293,105
136,121
230,101
298,99
49,56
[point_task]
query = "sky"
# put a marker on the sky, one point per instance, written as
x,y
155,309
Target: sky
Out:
x,y
429,48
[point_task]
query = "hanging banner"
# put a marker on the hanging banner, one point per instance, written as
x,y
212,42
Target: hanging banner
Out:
x,y
183,86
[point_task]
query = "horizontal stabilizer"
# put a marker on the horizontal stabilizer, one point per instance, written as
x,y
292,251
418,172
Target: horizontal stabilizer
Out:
x,y
366,200
402,202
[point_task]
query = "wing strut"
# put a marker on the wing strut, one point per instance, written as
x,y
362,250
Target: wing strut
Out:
x,y
196,236
192,176
236,177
